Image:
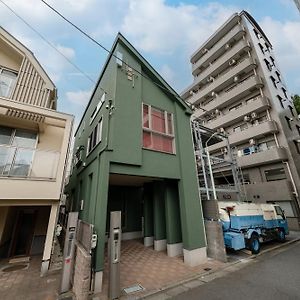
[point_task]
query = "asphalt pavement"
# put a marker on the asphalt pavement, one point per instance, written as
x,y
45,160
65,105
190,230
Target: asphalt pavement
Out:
x,y
274,275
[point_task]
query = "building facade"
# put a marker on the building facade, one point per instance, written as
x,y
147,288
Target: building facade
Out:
x,y
134,154
238,89
34,143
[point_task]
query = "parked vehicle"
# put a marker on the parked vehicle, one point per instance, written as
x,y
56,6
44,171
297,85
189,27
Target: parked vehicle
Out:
x,y
247,225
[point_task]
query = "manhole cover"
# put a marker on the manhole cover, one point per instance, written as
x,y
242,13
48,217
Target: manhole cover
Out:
x,y
14,268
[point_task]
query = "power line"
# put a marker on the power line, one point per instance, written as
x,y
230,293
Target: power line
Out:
x,y
104,48
49,43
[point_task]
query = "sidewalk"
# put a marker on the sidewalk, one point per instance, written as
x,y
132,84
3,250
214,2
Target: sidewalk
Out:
x,y
236,262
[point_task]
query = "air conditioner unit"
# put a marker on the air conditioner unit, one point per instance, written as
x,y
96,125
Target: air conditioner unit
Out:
x,y
252,142
213,94
236,78
254,115
221,129
246,118
224,150
192,93
217,111
240,153
204,50
232,62
227,46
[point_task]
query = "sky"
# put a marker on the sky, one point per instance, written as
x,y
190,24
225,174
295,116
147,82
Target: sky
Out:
x,y
165,32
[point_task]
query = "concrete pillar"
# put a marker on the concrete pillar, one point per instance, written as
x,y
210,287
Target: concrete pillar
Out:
x,y
173,224
160,241
49,238
148,216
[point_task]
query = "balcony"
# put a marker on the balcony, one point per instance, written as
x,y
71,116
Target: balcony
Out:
x,y
254,131
269,191
226,78
28,164
263,157
238,92
236,33
258,105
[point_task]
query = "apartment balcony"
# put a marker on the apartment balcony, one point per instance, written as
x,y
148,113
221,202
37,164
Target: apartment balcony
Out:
x,y
258,105
254,131
226,79
238,92
263,157
28,164
269,191
213,53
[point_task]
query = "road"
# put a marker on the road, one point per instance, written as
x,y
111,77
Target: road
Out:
x,y
274,275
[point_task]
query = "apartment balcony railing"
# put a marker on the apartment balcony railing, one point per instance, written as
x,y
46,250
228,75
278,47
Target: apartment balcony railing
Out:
x,y
218,48
27,163
240,90
258,104
254,131
226,78
261,157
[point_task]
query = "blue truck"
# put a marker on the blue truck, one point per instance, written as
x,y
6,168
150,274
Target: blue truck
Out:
x,y
247,225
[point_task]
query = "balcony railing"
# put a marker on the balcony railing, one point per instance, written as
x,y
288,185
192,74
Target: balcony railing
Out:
x,y
28,163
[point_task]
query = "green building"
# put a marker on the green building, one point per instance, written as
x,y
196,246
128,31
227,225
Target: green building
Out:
x,y
134,153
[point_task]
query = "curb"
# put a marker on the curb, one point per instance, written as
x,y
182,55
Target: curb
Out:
x,y
201,276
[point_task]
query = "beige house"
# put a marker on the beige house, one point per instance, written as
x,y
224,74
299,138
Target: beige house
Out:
x,y
34,145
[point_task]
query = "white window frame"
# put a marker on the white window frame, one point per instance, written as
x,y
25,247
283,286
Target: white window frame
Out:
x,y
97,108
98,130
151,131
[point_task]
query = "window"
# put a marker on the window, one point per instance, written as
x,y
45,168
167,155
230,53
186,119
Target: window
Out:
x,y
298,129
296,143
95,137
284,92
97,108
268,47
273,61
256,33
274,81
158,129
288,121
235,106
278,76
291,110
17,148
7,82
280,100
275,174
268,64
261,48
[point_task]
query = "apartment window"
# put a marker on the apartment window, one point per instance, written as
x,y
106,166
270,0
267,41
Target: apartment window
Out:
x,y
95,137
267,47
291,110
256,33
273,61
275,174
288,121
278,76
158,129
268,64
298,129
17,148
274,81
280,101
261,48
235,107
297,146
284,92
7,82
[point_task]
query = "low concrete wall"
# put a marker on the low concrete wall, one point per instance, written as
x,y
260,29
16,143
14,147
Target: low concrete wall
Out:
x,y
82,274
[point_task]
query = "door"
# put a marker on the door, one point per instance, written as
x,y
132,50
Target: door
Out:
x,y
23,233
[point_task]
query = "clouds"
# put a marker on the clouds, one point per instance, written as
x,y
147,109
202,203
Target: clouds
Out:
x,y
157,27
80,98
285,37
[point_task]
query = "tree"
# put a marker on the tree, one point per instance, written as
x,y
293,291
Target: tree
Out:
x,y
296,101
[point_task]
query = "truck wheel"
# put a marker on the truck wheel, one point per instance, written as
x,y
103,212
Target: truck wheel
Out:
x,y
254,244
281,236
